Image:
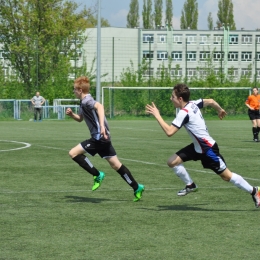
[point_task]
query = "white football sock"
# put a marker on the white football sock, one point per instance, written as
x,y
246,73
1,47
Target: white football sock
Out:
x,y
241,183
182,174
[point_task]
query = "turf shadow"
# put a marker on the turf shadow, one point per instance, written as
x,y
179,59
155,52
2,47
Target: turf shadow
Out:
x,y
194,208
77,199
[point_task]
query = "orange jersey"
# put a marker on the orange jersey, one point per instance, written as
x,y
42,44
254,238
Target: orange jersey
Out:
x,y
253,101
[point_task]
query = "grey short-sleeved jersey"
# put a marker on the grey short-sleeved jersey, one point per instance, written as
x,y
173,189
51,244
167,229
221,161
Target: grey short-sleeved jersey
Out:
x,y
90,116
37,101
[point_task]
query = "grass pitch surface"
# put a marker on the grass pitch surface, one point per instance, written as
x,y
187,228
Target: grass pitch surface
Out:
x,y
48,210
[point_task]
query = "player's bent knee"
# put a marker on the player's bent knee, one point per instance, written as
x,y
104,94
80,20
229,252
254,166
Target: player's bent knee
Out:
x,y
171,163
72,154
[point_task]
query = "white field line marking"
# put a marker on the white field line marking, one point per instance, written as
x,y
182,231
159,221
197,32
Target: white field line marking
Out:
x,y
150,163
19,148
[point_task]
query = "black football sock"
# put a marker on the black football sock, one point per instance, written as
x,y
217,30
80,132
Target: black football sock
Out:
x,y
191,186
254,130
254,191
127,177
85,163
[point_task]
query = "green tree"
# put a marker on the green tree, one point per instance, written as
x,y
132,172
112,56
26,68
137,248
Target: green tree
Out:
x,y
91,19
225,14
189,15
147,14
169,13
210,21
158,5
133,15
37,35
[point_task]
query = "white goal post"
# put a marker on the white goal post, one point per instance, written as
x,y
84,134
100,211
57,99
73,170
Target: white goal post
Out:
x,y
107,101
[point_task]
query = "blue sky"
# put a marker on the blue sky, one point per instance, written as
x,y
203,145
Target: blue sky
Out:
x,y
246,12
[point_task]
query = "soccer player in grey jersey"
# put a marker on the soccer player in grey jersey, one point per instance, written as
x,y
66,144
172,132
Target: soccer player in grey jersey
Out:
x,y
100,142
203,147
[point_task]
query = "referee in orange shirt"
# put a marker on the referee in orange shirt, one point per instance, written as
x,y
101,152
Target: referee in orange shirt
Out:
x,y
253,104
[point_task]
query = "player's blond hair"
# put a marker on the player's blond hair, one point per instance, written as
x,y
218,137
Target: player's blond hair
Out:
x,y
82,83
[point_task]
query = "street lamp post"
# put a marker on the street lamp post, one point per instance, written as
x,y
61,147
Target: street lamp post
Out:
x,y
98,53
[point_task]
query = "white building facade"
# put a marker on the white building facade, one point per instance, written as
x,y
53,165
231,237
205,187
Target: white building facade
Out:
x,y
235,53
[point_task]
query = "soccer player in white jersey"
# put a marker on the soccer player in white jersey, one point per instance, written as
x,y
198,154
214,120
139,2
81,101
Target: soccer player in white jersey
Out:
x,y
92,112
203,146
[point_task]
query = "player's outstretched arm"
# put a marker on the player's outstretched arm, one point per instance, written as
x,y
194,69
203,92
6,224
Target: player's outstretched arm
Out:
x,y
168,129
76,117
212,103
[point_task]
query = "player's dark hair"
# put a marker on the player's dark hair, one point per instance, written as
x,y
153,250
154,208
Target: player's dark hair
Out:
x,y
181,90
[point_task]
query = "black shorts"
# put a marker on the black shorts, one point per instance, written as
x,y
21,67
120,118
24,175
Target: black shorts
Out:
x,y
93,146
253,114
212,159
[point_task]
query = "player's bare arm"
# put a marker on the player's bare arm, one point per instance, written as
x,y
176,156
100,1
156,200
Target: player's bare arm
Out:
x,y
168,129
76,117
212,103
101,115
249,107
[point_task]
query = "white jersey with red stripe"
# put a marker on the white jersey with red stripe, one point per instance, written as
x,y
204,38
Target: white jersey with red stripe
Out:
x,y
191,118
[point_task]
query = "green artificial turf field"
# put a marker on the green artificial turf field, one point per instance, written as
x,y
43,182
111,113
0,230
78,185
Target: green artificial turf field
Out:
x,y
48,210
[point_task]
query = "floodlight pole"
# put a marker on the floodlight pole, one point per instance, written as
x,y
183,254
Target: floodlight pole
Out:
x,y
255,61
98,52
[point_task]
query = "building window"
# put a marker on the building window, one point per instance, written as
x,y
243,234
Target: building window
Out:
x,y
257,37
218,56
78,55
161,71
246,56
217,38
148,72
162,38
233,56
204,55
177,38
177,55
233,72
3,54
258,73
191,72
217,71
191,39
176,72
203,72
191,56
233,39
162,55
148,54
258,56
246,72
5,71
148,38
204,39
246,39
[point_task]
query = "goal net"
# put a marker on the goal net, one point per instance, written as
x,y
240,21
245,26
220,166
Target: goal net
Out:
x,y
120,101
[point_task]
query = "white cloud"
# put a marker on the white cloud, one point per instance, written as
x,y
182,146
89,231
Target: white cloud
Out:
x,y
246,14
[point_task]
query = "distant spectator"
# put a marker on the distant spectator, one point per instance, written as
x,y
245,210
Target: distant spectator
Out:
x,y
253,104
37,102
